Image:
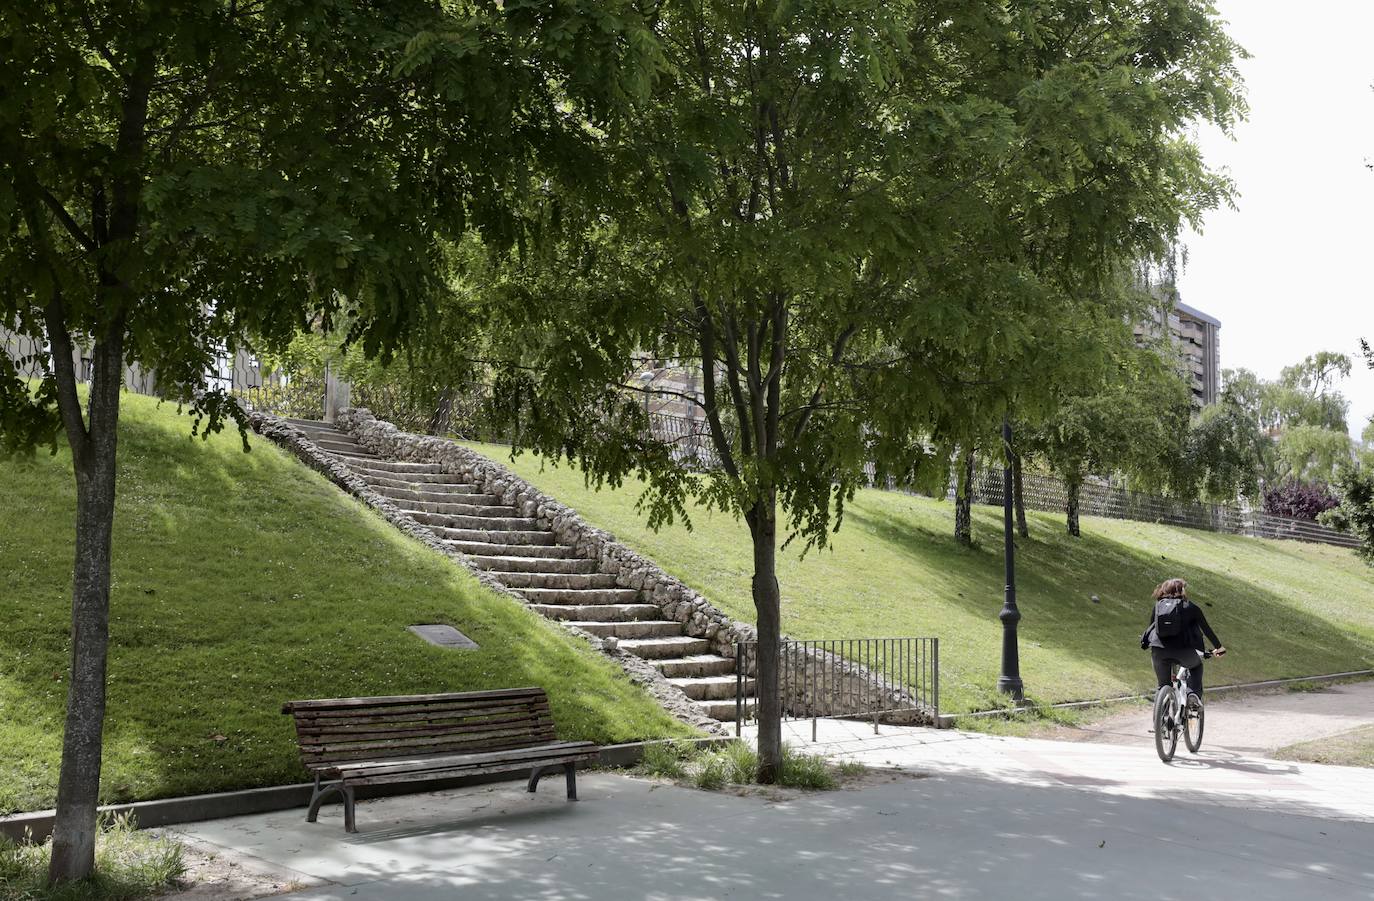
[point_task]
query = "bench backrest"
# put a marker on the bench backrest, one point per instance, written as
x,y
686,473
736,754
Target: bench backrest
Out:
x,y
337,730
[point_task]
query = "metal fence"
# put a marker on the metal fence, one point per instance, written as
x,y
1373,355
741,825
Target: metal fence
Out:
x,y
1098,497
239,372
883,679
689,440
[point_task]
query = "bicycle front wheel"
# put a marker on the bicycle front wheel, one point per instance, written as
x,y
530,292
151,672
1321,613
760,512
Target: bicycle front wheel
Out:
x,y
1192,726
1166,723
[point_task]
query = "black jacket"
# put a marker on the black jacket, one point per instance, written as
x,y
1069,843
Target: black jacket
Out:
x,y
1194,627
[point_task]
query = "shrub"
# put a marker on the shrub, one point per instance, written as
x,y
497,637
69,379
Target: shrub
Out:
x,y
667,759
129,864
1300,500
807,771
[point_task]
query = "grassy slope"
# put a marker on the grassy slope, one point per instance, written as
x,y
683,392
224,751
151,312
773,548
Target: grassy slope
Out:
x,y
240,581
1284,608
1353,748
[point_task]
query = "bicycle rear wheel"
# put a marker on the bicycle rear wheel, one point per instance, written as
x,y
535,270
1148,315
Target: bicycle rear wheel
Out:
x,y
1193,721
1166,723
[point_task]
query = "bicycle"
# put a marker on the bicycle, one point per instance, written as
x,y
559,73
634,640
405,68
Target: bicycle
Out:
x,y
1178,710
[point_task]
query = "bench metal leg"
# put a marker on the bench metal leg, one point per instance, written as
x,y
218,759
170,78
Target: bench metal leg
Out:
x,y
569,770
350,824
322,792
317,798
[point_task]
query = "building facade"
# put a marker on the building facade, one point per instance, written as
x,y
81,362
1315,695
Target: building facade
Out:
x,y
1197,337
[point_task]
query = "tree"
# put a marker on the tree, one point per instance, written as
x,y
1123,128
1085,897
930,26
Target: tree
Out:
x,y
1129,416
1223,454
179,176
836,212
1312,453
1355,515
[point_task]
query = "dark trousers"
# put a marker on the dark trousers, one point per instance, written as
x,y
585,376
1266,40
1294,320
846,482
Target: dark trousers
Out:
x,y
1164,661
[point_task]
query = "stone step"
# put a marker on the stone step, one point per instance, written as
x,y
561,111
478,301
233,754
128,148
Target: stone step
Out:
x,y
659,648
335,440
723,710
324,429
495,536
696,666
398,467
712,688
453,494
633,629
495,523
442,516
605,613
504,566
427,491
579,596
421,481
546,579
489,549
347,455
459,507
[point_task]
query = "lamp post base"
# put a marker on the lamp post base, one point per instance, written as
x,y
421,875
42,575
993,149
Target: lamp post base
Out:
x,y
1011,687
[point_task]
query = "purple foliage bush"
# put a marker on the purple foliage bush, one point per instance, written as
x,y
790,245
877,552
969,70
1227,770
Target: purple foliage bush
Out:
x,y
1301,500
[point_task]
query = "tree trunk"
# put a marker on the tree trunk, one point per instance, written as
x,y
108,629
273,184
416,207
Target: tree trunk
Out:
x,y
1072,484
963,512
763,530
78,786
1019,496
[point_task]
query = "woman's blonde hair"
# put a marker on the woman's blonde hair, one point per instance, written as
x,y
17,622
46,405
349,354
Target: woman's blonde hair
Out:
x,y
1172,588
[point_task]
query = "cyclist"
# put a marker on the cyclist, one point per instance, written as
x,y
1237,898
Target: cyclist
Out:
x,y
1175,633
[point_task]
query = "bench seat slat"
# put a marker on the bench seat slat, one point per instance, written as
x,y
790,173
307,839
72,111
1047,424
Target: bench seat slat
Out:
x,y
429,744
501,767
387,700
421,764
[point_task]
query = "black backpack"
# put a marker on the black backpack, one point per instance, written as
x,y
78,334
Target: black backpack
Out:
x,y
1169,617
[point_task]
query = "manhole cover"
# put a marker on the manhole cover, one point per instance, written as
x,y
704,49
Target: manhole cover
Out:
x,y
444,637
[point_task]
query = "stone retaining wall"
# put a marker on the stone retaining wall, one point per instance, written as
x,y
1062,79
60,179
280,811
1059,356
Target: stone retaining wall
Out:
x,y
678,602
282,433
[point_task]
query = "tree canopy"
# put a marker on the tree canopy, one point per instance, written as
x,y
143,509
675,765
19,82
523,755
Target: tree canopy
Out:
x,y
178,176
848,216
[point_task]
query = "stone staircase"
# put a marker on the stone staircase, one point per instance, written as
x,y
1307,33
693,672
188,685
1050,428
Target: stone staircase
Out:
x,y
524,556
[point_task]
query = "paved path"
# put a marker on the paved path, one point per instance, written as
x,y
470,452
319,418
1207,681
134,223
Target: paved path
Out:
x,y
1256,724
949,815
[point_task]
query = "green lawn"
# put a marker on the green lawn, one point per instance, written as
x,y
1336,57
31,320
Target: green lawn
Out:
x,y
240,581
1353,748
1283,608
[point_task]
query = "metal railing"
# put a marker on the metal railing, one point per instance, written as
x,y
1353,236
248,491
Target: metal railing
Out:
x,y
885,679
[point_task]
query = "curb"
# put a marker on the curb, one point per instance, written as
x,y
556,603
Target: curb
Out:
x,y
37,825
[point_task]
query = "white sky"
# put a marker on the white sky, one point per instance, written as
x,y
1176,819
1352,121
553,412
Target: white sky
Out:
x,y
1288,272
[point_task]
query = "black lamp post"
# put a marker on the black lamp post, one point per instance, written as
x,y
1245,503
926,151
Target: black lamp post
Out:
x,y
1010,680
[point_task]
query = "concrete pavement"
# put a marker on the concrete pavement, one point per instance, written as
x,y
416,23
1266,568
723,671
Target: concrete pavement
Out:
x,y
948,815
1252,723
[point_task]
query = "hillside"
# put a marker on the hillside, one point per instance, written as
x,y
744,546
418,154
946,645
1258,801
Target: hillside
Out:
x,y
1283,608
240,581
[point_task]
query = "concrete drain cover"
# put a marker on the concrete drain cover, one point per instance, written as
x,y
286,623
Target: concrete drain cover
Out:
x,y
444,637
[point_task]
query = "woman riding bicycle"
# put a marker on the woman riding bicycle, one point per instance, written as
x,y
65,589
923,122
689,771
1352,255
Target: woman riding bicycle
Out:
x,y
1175,633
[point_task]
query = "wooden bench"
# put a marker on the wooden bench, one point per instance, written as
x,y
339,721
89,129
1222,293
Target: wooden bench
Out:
x,y
348,742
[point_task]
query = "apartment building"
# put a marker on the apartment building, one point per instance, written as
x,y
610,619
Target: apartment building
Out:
x,y
1197,337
